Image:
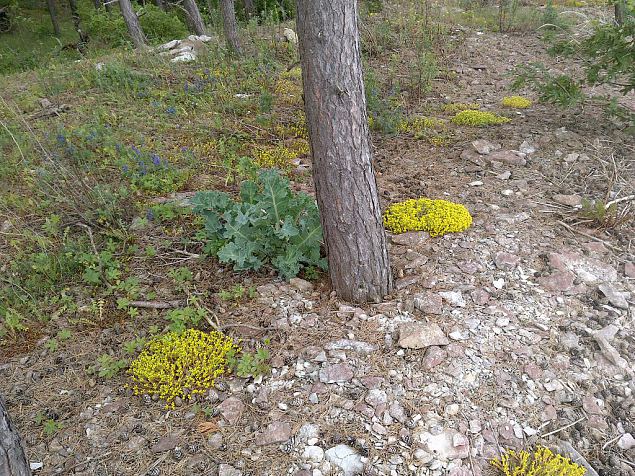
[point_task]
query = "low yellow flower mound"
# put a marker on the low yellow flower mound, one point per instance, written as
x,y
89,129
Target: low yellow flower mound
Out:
x,y
517,102
470,117
418,125
542,462
180,365
437,217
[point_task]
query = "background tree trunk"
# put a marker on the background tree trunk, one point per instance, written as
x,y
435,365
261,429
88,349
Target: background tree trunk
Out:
x,y
132,22
250,8
83,38
619,12
54,21
194,18
12,458
230,25
160,4
345,183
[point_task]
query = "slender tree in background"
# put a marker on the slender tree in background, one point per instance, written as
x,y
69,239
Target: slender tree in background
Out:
x,y
194,18
12,458
619,12
230,25
83,38
160,4
132,22
53,13
345,183
250,8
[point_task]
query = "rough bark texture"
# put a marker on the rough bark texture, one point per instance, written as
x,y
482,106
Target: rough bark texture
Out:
x,y
132,22
83,38
619,12
12,458
53,13
345,183
230,25
250,8
194,18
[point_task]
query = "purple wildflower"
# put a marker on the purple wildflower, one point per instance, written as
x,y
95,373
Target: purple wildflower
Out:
x,y
156,160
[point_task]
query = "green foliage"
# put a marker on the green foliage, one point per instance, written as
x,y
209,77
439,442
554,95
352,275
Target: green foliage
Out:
x,y
384,114
247,364
562,89
117,77
110,29
182,319
237,293
269,224
108,366
49,425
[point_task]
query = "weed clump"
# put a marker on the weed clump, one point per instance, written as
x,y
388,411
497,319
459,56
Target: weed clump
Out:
x,y
437,217
542,461
181,364
516,102
470,117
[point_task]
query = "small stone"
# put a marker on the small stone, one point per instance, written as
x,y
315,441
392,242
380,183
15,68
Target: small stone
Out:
x,y
345,458
337,373
228,470
411,238
452,409
165,443
504,175
314,454
429,303
480,297
475,426
447,445
276,432
507,157
629,269
215,441
591,405
507,192
485,147
559,281
397,411
615,297
506,260
499,283
376,397
434,356
456,335
454,298
421,335
526,148
626,441
231,409
568,200
301,284
476,183
553,385
354,345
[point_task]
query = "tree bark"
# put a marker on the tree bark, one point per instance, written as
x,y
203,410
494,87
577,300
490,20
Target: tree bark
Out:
x,y
12,458
132,22
230,25
160,4
194,18
54,21
619,12
337,121
250,8
83,38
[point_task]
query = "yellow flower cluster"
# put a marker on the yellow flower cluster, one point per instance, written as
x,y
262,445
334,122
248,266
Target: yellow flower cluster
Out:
x,y
437,217
180,365
455,107
419,124
293,73
542,462
279,156
470,117
517,102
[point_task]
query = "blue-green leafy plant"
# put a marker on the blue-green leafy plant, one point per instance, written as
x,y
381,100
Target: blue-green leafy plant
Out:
x,y
268,225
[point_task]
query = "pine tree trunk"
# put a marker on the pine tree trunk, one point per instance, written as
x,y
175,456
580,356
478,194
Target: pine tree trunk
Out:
x,y
250,8
83,38
194,18
54,21
345,183
12,458
132,22
619,12
160,4
230,25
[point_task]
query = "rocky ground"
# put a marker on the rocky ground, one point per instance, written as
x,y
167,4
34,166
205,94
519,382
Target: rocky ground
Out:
x,y
515,333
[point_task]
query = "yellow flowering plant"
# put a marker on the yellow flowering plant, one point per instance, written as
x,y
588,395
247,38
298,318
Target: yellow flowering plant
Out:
x,y
541,462
437,217
471,117
516,102
181,364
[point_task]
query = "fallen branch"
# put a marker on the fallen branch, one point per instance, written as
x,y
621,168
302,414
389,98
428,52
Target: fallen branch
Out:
x,y
573,230
156,304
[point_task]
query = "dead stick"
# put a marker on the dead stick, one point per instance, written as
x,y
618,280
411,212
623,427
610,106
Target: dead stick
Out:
x,y
156,304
